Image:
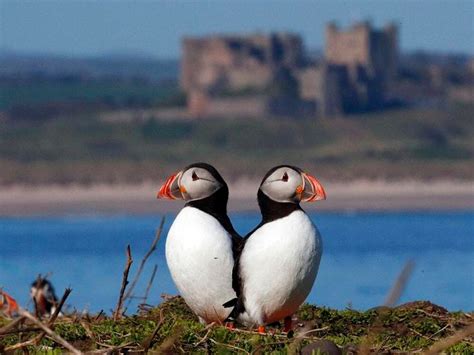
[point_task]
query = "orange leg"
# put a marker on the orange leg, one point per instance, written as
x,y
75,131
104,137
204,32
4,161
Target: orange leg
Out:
x,y
230,325
261,329
288,324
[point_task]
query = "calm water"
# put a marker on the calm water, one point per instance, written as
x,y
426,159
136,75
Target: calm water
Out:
x,y
363,254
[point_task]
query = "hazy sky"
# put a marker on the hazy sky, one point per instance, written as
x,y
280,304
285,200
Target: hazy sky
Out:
x,y
155,27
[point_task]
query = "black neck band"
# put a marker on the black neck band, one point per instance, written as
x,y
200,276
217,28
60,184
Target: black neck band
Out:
x,y
272,210
216,206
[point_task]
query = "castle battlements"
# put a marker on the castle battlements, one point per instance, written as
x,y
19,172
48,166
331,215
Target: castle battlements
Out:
x,y
358,65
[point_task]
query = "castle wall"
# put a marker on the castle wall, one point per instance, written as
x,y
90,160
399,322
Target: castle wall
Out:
x,y
349,48
359,64
237,62
311,81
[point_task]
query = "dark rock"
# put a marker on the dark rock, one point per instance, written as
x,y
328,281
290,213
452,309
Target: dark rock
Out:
x,y
350,349
426,306
379,309
322,346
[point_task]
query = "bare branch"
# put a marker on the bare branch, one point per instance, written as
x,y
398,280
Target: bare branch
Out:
x,y
118,310
101,313
51,321
145,297
12,324
400,284
110,349
445,343
391,300
145,258
58,339
146,344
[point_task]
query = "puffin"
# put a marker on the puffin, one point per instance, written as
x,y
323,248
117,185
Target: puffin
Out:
x,y
43,295
279,259
8,305
202,244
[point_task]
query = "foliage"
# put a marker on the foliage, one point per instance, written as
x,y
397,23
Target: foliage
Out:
x,y
113,93
410,327
396,144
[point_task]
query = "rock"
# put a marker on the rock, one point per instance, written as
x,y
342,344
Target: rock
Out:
x,y
321,347
427,306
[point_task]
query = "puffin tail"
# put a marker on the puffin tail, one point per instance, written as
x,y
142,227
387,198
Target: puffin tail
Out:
x,y
231,303
238,308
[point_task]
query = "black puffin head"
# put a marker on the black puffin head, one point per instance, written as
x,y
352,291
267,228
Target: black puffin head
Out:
x,y
43,295
283,188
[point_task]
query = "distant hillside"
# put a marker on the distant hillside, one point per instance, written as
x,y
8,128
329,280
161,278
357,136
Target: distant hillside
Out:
x,y
125,66
399,144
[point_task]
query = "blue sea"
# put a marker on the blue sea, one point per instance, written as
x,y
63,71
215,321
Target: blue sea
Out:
x,y
363,255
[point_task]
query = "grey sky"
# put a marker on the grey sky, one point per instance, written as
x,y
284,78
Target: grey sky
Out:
x,y
155,27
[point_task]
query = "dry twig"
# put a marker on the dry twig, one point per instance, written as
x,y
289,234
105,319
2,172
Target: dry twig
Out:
x,y
145,258
233,347
203,339
21,330
118,310
13,324
101,313
51,334
88,329
146,344
390,301
110,349
148,287
445,343
304,334
399,285
441,330
51,321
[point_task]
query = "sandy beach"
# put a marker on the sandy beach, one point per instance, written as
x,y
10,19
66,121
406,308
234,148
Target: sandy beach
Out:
x,y
361,195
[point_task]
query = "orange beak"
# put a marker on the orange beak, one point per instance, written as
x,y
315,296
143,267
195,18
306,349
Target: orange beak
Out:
x,y
11,304
312,189
170,189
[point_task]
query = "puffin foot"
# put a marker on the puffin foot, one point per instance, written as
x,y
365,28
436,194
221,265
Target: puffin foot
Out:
x,y
261,329
288,324
229,325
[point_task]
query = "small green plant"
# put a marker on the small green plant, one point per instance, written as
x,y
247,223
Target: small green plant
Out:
x,y
411,327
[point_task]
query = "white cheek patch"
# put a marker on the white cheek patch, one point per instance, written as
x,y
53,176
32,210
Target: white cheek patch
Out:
x,y
198,184
274,192
200,189
279,190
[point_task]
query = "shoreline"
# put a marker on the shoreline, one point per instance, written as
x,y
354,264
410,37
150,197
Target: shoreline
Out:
x,y
358,195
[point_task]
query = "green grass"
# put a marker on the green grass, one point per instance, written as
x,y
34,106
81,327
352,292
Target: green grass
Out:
x,y
394,144
407,328
109,92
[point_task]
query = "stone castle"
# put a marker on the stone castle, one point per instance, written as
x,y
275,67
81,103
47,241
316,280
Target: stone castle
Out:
x,y
357,68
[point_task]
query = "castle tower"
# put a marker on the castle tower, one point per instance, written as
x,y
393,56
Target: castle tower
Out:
x,y
369,56
232,63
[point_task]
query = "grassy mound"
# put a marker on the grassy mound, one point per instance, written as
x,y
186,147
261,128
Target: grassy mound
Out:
x,y
172,328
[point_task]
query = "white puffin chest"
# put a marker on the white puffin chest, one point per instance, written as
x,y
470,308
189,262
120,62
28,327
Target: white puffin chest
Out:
x,y
200,260
279,265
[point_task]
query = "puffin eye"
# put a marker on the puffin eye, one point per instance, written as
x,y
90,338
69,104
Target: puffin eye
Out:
x,y
194,176
285,177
